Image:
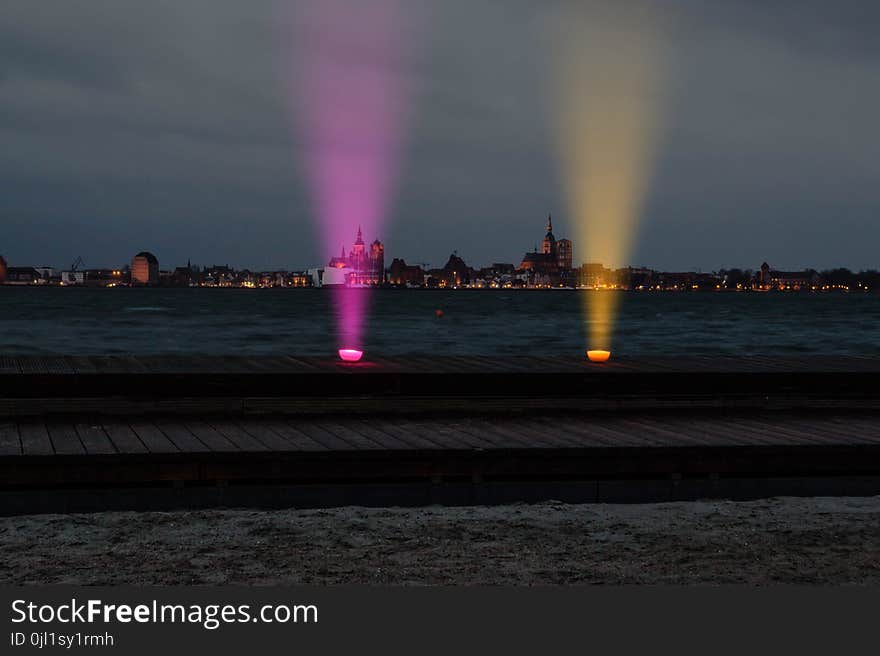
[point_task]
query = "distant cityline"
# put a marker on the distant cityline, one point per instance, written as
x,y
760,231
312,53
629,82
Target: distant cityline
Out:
x,y
363,266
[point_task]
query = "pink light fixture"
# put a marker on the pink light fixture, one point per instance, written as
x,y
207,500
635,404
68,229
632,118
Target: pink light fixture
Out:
x,y
350,92
350,355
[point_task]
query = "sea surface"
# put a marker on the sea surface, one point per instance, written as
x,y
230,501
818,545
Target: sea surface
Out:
x,y
300,322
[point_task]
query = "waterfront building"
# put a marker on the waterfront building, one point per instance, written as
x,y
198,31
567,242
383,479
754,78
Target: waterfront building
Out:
x,y
455,273
101,277
768,278
22,276
594,275
145,269
298,279
3,268
404,275
688,280
46,274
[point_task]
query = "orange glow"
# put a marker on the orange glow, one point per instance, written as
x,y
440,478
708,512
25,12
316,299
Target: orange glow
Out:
x,y
598,356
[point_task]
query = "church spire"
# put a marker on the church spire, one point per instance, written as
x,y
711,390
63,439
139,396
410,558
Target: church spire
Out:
x,y
549,222
360,238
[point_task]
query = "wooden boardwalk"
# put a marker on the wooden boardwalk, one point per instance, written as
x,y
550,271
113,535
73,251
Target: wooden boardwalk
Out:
x,y
49,465
177,364
239,385
32,438
91,433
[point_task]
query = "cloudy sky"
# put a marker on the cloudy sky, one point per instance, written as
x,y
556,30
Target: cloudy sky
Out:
x,y
170,126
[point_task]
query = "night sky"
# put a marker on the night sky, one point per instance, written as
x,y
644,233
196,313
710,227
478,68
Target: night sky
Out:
x,y
169,126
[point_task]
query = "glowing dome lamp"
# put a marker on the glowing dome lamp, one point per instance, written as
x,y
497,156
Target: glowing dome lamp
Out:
x,y
598,356
350,355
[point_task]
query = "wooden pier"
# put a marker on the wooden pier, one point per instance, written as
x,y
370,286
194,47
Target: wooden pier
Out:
x,y
95,433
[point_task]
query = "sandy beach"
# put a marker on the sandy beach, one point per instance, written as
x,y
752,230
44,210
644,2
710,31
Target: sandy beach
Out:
x,y
783,540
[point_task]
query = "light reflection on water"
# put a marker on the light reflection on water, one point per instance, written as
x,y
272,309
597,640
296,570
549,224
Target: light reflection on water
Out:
x,y
231,321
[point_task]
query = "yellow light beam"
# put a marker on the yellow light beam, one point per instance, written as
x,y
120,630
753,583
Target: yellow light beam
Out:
x,y
610,74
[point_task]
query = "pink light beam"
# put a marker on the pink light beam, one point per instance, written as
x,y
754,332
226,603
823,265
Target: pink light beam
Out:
x,y
351,97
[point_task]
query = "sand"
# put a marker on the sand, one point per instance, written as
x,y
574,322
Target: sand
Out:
x,y
784,540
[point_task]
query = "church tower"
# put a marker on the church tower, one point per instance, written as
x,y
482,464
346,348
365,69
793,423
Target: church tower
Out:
x,y
548,246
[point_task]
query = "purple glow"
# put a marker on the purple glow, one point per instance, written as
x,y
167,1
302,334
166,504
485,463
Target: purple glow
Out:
x,y
351,96
351,355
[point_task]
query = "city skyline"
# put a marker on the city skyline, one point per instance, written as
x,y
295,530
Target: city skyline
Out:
x,y
364,265
768,150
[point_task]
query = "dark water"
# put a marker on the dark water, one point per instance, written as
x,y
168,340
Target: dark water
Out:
x,y
232,321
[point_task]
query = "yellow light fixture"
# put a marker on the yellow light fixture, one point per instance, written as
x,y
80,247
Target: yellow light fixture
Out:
x,y
598,355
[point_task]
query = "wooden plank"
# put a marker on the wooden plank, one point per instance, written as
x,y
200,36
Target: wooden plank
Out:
x,y
209,436
551,433
840,432
505,439
373,428
10,442
243,440
82,364
9,365
65,439
573,431
299,441
776,432
35,440
181,436
724,434
325,437
32,365
673,433
57,365
439,431
562,432
132,364
405,431
108,364
614,434
154,439
349,434
868,427
300,365
265,435
94,439
124,439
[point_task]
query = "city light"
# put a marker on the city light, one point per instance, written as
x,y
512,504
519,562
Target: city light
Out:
x,y
349,91
610,67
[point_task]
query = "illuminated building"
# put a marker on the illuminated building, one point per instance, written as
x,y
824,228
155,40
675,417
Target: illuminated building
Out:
x,y
144,269
358,260
594,275
552,265
454,273
2,270
361,267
